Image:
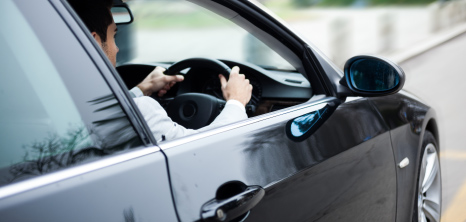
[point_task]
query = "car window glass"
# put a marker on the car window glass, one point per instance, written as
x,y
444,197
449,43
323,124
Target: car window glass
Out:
x,y
46,125
170,31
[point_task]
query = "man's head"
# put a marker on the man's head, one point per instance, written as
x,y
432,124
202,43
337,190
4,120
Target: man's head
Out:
x,y
97,17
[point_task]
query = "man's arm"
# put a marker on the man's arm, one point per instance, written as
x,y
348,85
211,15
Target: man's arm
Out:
x,y
237,91
163,128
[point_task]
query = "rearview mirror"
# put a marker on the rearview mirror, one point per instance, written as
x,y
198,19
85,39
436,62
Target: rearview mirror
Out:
x,y
373,76
121,14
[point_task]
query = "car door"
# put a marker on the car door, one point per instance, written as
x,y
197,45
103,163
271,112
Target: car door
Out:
x,y
323,160
71,146
344,171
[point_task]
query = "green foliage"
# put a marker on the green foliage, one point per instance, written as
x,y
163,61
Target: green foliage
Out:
x,y
308,3
400,2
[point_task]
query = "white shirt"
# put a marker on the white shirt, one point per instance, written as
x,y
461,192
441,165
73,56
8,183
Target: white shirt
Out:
x,y
163,127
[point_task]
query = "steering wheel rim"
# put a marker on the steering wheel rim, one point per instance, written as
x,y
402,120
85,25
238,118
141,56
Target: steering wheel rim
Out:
x,y
196,110
214,64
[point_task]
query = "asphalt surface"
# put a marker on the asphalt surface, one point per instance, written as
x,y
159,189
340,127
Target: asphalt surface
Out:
x,y
438,76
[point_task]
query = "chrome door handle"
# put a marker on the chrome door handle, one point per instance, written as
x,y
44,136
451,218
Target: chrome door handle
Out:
x,y
232,207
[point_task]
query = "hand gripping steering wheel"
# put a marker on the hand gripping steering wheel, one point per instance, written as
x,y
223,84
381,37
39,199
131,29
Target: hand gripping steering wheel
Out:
x,y
195,110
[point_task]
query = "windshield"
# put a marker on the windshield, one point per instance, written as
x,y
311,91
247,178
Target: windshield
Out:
x,y
170,31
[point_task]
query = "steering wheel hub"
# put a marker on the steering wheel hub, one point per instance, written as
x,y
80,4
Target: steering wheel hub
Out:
x,y
189,110
195,110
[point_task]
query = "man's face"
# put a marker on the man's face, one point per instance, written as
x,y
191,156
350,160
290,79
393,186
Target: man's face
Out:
x,y
109,46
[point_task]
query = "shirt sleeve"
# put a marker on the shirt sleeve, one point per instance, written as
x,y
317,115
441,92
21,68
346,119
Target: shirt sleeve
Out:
x,y
236,103
234,111
136,92
162,126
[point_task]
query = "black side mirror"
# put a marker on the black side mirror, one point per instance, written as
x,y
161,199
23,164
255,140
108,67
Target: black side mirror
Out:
x,y
302,127
121,14
372,76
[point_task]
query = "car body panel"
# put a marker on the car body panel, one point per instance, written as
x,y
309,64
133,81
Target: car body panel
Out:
x,y
312,180
130,190
407,119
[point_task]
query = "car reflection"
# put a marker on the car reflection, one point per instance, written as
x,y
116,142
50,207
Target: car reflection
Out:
x,y
278,154
81,143
304,126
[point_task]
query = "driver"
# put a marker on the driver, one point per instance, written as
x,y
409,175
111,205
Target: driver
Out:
x,y
236,91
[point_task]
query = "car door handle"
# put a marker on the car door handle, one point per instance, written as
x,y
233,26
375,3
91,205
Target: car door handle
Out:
x,y
232,207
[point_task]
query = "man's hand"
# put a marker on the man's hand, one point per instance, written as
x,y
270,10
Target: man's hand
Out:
x,y
156,81
237,87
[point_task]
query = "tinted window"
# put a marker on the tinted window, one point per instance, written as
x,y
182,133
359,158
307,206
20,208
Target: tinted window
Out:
x,y
49,118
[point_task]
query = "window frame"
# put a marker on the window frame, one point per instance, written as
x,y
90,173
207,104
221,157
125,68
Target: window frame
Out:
x,y
310,64
108,72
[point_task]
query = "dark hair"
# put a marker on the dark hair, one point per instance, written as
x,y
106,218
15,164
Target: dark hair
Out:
x,y
95,14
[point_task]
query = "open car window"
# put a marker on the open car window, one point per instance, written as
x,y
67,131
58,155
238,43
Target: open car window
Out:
x,y
164,33
169,31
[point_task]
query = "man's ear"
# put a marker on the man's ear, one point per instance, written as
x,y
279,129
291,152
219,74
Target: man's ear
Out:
x,y
97,38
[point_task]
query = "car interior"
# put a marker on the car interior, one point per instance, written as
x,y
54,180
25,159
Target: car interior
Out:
x,y
202,43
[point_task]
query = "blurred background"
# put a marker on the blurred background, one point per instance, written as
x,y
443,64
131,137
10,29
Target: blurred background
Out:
x,y
425,37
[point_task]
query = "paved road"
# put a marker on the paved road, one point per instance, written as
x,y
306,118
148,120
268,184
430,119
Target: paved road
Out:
x,y
439,77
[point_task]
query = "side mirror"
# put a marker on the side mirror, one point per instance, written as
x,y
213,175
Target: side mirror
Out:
x,y
372,76
302,127
121,14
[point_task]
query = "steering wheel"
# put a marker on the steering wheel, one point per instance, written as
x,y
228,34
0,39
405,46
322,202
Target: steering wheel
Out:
x,y
195,110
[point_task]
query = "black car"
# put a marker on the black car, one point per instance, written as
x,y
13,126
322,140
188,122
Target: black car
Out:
x,y
320,144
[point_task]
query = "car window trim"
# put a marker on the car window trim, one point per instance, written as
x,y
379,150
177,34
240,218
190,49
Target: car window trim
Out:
x,y
315,100
54,177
